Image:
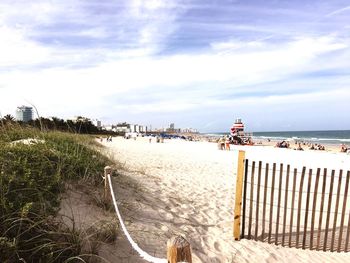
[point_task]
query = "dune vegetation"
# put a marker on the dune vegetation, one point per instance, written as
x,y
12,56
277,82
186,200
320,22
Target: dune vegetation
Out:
x,y
34,166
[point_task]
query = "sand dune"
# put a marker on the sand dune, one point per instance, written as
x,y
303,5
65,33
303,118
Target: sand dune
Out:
x,y
188,188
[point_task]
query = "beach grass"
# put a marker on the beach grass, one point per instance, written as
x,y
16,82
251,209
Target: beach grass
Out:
x,y
34,167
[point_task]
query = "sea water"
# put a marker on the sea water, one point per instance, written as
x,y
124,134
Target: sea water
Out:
x,y
316,137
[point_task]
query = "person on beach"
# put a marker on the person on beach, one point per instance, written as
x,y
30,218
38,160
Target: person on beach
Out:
x,y
218,141
227,143
344,149
222,141
300,148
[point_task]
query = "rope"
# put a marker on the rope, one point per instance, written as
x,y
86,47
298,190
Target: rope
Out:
x,y
142,253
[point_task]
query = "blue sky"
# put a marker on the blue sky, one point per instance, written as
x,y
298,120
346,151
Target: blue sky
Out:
x,y
279,65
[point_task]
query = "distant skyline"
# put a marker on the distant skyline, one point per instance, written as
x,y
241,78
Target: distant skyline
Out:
x,y
278,65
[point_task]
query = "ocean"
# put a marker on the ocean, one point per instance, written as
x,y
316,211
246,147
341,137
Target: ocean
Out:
x,y
319,137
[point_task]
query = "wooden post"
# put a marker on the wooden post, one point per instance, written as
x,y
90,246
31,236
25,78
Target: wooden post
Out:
x,y
178,250
238,197
107,196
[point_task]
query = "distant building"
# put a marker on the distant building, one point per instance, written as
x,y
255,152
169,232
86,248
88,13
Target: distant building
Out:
x,y
126,127
172,129
109,128
24,113
123,127
189,130
97,123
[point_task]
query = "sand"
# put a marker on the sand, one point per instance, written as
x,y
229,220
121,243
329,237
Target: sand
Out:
x,y
188,188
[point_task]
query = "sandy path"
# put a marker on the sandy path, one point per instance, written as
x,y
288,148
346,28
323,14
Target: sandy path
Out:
x,y
188,188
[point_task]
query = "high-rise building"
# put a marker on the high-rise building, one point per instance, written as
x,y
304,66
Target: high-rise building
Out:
x,y
24,113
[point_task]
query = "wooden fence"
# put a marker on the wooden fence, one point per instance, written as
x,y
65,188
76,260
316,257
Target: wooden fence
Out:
x,y
283,205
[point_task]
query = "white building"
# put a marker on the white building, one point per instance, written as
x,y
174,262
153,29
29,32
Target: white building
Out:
x,y
24,113
189,130
97,123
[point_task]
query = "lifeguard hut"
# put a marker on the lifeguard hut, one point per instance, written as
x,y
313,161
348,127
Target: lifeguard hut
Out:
x,y
238,136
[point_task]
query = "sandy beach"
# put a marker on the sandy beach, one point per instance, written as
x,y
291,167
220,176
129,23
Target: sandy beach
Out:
x,y
188,188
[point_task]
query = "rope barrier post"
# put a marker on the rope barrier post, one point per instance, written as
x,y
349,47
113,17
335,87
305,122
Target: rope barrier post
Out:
x,y
238,197
107,196
178,250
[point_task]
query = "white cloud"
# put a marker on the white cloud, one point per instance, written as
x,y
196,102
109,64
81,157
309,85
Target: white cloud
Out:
x,y
16,50
62,80
87,88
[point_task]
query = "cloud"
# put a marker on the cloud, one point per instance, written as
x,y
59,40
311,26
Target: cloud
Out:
x,y
16,50
338,11
195,76
120,59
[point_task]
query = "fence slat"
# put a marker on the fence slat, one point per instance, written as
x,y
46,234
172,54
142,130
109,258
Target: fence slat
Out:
x,y
299,205
257,202
336,209
307,208
328,211
347,234
304,236
285,205
292,210
264,202
343,211
279,203
321,209
238,197
271,200
246,163
251,201
314,208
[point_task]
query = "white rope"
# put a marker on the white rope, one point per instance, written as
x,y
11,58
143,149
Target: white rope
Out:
x,y
142,253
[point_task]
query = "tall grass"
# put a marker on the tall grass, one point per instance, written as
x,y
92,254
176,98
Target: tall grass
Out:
x,y
31,179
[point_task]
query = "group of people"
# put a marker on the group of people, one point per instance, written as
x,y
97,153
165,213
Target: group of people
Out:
x,y
224,143
316,146
313,146
158,139
282,144
108,139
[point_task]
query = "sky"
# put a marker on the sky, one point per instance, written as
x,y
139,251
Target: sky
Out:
x,y
279,65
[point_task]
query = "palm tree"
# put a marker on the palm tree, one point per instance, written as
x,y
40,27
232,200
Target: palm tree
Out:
x,y
9,118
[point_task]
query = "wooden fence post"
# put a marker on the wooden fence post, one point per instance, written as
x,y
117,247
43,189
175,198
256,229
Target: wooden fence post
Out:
x,y
107,196
178,250
238,196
